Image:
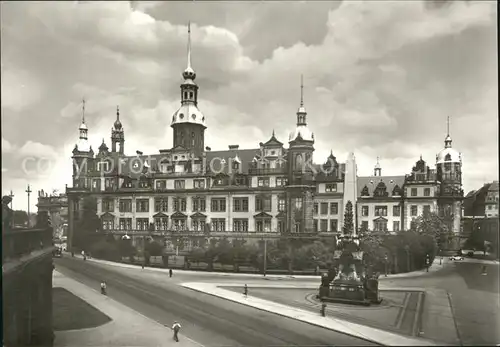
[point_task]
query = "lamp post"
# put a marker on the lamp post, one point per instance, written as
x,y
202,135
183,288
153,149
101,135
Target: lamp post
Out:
x,y
385,261
427,262
28,191
265,257
407,249
440,258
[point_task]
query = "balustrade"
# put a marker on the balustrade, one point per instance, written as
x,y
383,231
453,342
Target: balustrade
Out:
x,y
19,242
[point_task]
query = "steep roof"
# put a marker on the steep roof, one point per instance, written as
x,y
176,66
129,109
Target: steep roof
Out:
x,y
372,181
493,187
245,156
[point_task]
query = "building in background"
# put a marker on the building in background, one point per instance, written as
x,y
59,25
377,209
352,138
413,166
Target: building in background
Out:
x,y
481,213
266,191
56,205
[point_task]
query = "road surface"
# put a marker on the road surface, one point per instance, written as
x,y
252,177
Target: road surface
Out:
x,y
206,319
474,297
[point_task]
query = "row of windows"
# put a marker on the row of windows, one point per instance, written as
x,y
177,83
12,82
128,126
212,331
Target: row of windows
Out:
x,y
322,225
217,224
262,203
323,208
381,211
381,226
414,192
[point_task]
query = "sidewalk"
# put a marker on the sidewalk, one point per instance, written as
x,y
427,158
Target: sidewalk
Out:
x,y
353,329
128,328
434,267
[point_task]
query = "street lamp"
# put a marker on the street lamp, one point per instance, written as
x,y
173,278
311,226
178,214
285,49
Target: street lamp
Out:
x,y
427,261
385,261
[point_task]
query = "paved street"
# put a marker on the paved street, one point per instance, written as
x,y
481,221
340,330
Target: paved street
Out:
x,y
474,297
206,319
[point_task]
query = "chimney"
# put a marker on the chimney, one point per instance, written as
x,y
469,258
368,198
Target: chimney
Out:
x,y
233,147
208,149
138,152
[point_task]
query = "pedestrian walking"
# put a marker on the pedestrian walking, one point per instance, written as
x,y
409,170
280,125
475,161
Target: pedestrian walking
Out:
x,y
170,272
176,328
84,255
245,291
103,288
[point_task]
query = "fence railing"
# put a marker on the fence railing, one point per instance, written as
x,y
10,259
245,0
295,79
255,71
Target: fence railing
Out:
x,y
19,242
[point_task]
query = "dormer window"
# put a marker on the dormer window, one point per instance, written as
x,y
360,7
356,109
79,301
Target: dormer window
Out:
x,y
447,157
236,165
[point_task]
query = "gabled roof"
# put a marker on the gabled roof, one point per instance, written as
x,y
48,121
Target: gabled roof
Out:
x,y
273,141
160,215
380,218
245,156
178,214
263,215
281,214
372,181
107,215
198,215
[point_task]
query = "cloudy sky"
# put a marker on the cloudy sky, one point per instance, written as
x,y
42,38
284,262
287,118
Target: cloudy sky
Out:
x,y
380,79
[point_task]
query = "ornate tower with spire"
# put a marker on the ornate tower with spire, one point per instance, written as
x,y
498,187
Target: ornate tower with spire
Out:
x,y
377,171
300,187
82,155
117,134
188,122
449,176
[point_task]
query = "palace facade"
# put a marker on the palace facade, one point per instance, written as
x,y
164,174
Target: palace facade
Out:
x,y
266,191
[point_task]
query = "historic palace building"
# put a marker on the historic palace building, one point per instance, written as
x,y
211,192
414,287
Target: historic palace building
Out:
x,y
266,191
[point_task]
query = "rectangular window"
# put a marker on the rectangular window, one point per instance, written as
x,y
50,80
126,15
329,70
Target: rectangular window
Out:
x,y
180,204
218,205
323,224
198,225
161,223
396,211
331,187
334,208
108,205
427,191
240,181
161,184
380,226
142,205
142,223
364,211
125,205
395,226
179,224
199,204
315,225
109,183
414,192
281,204
281,226
263,203
240,225
240,204
427,209
298,205
281,181
316,208
324,208
381,211
263,182
179,184
414,210
126,223
199,184
364,225
263,225
161,204
218,224
334,225
96,184
108,224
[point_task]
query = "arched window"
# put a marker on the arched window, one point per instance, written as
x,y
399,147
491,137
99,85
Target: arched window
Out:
x,y
447,157
298,161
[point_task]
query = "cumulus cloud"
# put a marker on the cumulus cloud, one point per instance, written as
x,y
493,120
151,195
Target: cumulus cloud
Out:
x,y
379,80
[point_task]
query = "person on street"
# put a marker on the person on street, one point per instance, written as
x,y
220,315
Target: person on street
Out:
x,y
170,272
84,255
176,327
103,288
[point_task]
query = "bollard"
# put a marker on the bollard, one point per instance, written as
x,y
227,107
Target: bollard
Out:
x,y
323,310
245,291
484,272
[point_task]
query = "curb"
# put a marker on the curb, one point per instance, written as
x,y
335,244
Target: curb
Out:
x,y
418,341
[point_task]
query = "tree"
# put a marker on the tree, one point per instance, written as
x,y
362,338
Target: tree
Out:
x,y
88,224
373,247
197,255
154,248
348,219
429,223
105,249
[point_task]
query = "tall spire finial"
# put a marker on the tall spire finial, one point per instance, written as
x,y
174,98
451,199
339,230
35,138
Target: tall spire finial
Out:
x,y
189,46
378,159
117,112
448,127
83,110
301,90
273,132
